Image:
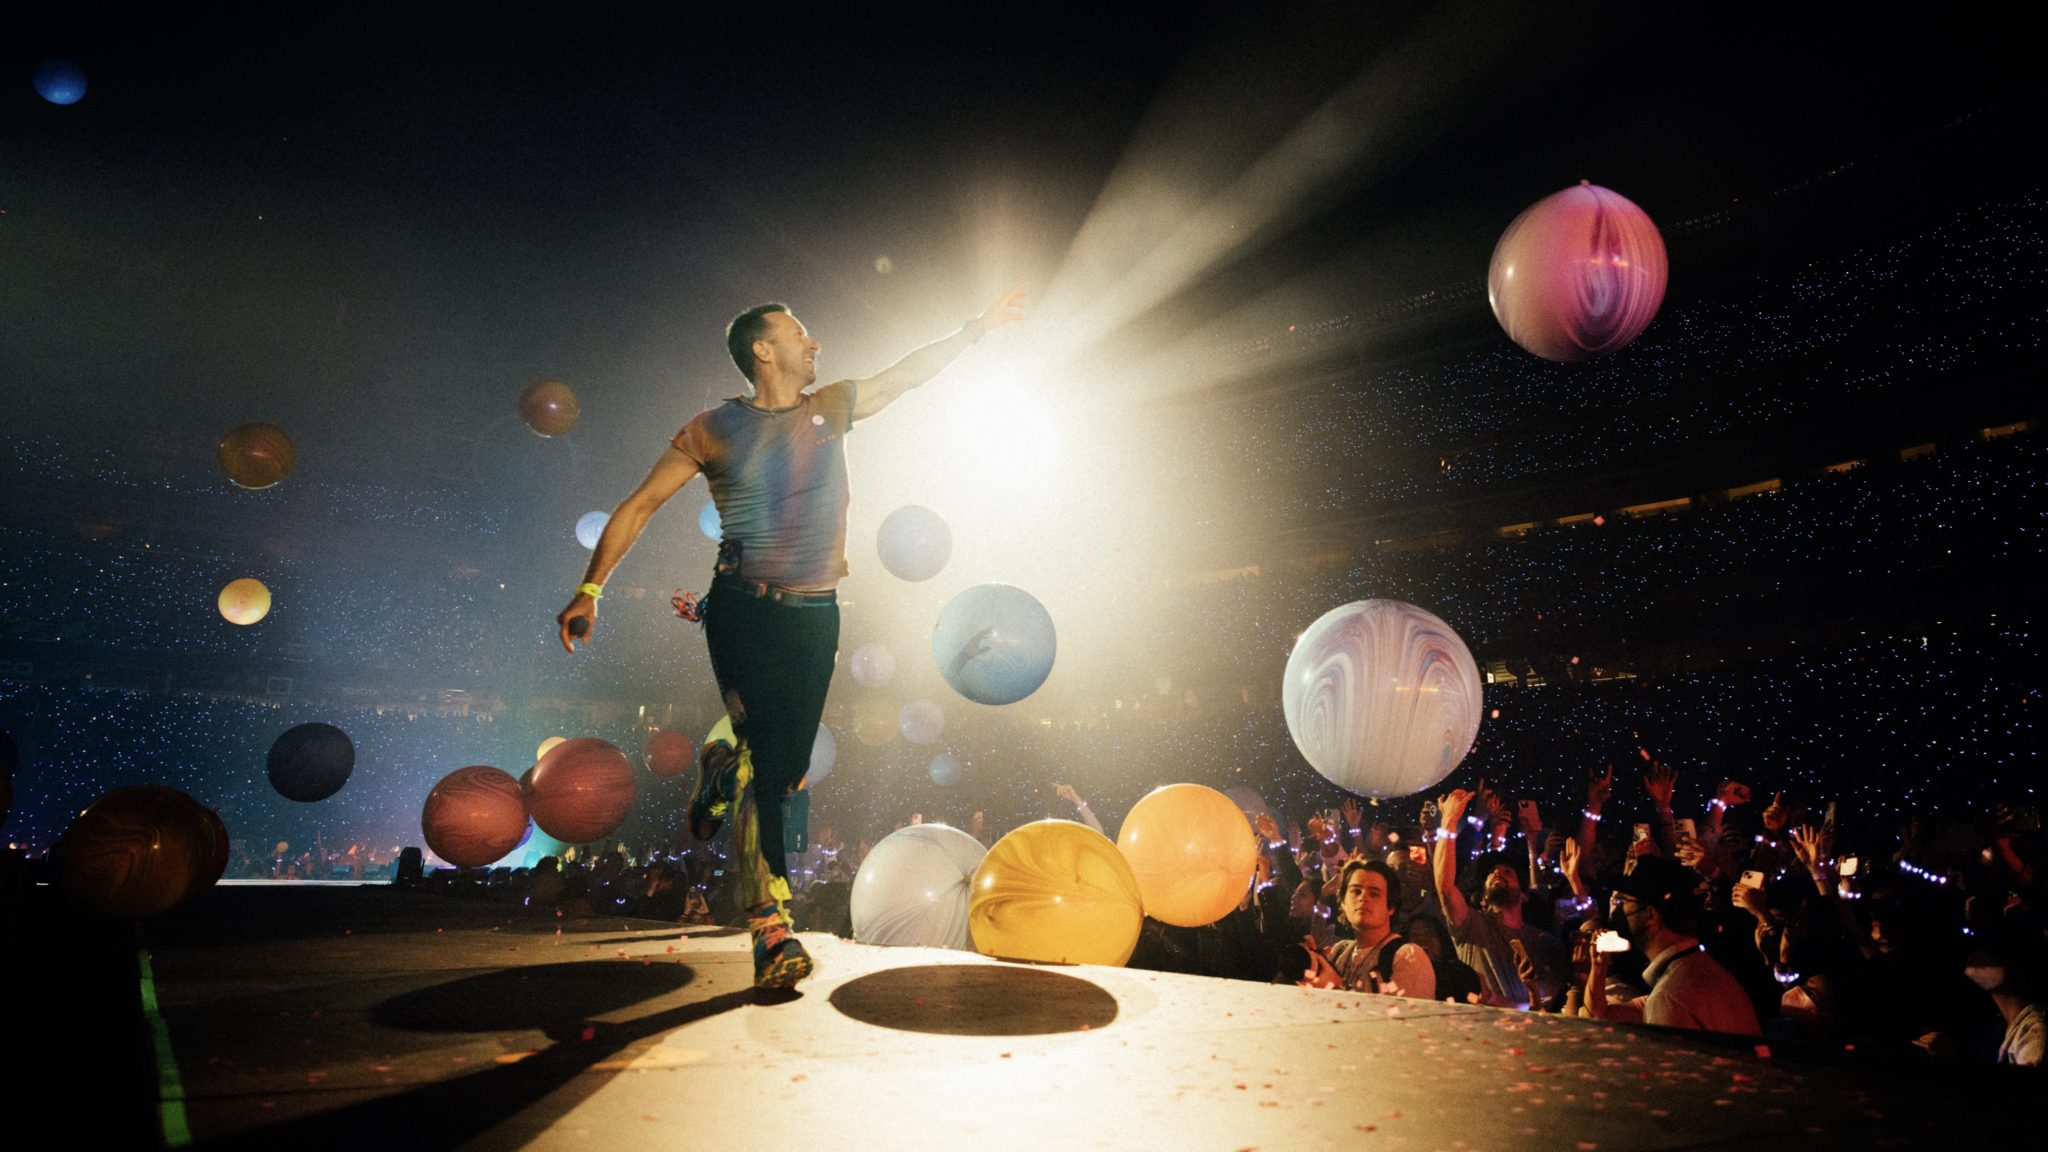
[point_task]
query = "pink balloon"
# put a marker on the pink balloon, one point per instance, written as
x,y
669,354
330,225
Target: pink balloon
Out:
x,y
1579,274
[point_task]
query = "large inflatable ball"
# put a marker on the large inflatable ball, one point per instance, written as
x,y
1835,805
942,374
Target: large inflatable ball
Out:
x,y
1056,892
310,762
590,527
1579,274
1192,853
913,888
914,543
244,601
668,752
581,790
944,770
1381,697
474,816
994,643
60,81
549,407
708,522
256,455
135,852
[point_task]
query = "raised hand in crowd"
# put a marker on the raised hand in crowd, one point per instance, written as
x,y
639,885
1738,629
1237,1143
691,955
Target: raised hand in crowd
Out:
x,y
1808,846
1598,788
1268,830
1659,784
1776,814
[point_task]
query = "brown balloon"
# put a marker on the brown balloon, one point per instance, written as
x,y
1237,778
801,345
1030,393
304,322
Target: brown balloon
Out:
x,y
581,791
135,852
669,753
474,816
256,455
550,407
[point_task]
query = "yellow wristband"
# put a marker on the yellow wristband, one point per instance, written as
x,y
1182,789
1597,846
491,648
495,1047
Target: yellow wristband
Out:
x,y
594,591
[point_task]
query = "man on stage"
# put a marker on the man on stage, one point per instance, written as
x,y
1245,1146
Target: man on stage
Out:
x,y
776,465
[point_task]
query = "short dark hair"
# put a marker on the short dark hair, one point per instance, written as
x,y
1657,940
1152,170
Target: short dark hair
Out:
x,y
746,328
1376,867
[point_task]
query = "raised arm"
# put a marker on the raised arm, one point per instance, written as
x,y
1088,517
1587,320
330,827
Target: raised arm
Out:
x,y
664,480
1444,855
881,390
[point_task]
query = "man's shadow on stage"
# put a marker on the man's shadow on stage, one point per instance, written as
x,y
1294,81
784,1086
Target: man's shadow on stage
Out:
x,y
561,1000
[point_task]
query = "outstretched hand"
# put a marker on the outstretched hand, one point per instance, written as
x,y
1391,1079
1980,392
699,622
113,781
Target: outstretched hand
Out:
x,y
1451,808
1008,310
1776,814
1268,829
581,611
1806,846
1660,783
1599,788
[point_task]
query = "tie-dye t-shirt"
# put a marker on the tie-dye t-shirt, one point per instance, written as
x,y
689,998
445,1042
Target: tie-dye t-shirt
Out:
x,y
778,477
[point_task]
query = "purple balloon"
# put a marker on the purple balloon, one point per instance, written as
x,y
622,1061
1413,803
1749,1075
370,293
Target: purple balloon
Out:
x,y
1579,274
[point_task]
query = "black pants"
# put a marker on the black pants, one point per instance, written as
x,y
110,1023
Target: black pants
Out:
x,y
773,662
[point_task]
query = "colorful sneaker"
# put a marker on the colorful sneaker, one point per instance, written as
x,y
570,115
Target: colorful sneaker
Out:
x,y
779,957
718,774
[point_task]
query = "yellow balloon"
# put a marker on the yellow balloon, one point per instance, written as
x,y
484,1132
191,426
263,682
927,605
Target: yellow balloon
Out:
x,y
547,746
244,601
1192,852
1058,892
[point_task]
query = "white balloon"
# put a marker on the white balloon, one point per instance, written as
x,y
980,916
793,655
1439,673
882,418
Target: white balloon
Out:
x,y
922,722
872,665
913,889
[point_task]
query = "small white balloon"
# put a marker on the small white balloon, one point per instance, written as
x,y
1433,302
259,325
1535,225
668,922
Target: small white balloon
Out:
x,y
873,665
922,722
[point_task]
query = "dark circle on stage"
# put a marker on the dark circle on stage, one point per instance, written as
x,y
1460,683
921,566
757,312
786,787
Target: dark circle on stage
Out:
x,y
976,1000
555,998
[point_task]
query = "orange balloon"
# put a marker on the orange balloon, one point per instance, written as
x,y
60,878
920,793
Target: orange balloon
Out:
x,y
474,816
550,407
256,455
1192,852
581,790
244,601
1058,892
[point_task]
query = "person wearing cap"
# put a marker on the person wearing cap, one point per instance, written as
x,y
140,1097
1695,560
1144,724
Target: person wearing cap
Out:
x,y
1657,908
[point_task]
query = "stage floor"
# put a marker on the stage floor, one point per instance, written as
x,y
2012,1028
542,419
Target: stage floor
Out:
x,y
365,1017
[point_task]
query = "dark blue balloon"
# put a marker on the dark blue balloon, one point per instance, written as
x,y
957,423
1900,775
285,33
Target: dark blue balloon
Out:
x,y
60,81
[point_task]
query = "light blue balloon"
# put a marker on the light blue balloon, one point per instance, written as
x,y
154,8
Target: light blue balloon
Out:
x,y
707,521
60,81
945,770
994,643
914,888
590,527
